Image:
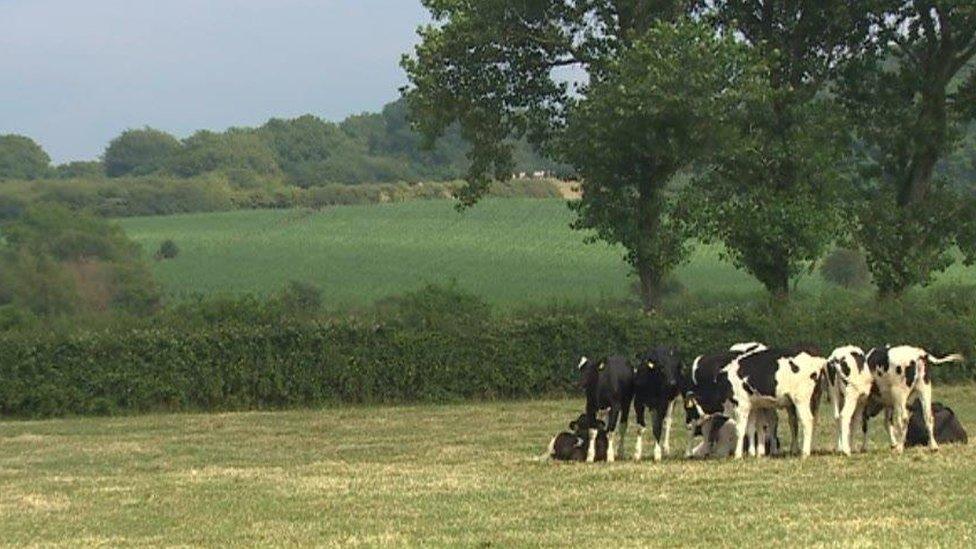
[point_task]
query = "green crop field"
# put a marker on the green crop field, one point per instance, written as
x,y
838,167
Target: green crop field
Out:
x,y
456,475
509,251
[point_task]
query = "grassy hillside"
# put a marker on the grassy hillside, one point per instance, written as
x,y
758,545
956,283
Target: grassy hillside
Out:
x,y
510,251
455,475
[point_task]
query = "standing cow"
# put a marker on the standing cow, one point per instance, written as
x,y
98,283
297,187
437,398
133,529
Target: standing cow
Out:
x,y
901,375
609,385
774,378
656,388
849,383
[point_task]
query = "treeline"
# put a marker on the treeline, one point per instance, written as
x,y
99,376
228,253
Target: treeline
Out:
x,y
303,152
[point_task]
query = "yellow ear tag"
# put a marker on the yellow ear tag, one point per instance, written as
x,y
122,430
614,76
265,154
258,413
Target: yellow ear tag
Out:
x,y
602,366
650,365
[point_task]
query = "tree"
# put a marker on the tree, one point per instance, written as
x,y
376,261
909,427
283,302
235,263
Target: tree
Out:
x,y
774,195
659,106
489,68
912,98
81,169
22,158
139,152
234,150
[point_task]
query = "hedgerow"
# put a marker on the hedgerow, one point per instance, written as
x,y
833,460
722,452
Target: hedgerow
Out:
x,y
225,364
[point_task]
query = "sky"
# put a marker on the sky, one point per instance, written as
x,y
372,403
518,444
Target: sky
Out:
x,y
76,73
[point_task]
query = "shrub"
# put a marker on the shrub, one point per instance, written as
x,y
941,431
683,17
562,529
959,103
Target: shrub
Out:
x,y
168,250
301,298
846,268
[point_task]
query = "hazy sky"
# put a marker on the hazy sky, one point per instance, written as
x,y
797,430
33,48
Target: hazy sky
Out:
x,y
75,73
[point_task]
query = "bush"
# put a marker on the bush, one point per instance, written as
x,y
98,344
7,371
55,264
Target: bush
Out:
x,y
433,345
301,298
846,268
168,250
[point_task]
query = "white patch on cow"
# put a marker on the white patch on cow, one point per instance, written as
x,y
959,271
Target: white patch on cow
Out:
x,y
657,451
582,362
611,450
552,446
694,368
748,348
666,433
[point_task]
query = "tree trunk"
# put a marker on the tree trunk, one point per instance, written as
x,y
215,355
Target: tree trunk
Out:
x,y
648,223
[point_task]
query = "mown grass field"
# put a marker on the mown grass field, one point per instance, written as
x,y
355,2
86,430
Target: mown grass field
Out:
x,y
509,251
455,475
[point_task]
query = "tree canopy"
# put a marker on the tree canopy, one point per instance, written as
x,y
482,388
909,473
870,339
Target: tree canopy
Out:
x,y
22,158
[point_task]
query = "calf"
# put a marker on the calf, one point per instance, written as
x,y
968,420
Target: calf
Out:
x,y
572,445
901,375
705,391
849,383
947,427
722,438
656,387
773,378
609,385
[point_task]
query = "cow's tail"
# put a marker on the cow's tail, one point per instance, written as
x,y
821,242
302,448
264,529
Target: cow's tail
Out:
x,y
956,357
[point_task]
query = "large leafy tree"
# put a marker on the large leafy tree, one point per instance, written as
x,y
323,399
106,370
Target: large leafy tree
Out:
x,y
912,97
22,158
773,196
660,104
493,68
139,152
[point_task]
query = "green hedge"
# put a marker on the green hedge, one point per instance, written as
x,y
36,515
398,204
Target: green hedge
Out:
x,y
287,364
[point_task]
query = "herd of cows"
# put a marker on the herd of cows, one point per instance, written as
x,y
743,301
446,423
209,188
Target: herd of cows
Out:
x,y
731,400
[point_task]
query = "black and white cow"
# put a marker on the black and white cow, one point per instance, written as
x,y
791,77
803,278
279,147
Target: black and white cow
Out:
x,y
901,375
656,387
705,392
773,378
849,383
722,437
609,385
572,445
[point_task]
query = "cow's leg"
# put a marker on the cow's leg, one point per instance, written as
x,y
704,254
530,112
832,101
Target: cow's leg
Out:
x,y
641,427
795,440
657,426
703,449
612,433
858,419
741,418
622,427
805,417
925,396
668,417
844,434
591,447
690,450
890,425
761,432
751,432
900,422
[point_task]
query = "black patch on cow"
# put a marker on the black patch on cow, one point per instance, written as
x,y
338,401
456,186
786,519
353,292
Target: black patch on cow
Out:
x,y
898,370
910,371
749,390
877,359
794,367
925,372
760,369
813,376
831,373
858,360
844,368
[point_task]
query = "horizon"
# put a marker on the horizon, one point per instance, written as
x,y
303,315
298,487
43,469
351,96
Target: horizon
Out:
x,y
77,76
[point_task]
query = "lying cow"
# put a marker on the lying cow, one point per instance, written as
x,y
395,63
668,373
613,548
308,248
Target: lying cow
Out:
x,y
609,385
901,375
849,383
773,378
572,445
656,388
948,430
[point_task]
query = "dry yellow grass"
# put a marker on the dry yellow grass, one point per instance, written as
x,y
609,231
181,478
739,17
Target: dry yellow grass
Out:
x,y
453,475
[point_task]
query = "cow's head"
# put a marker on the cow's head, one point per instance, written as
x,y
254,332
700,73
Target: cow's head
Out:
x,y
661,364
693,414
589,372
580,426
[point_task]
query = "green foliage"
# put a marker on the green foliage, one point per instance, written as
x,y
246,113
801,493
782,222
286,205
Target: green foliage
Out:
x,y
168,250
912,100
22,158
81,170
301,298
846,268
55,262
658,107
139,152
437,346
233,150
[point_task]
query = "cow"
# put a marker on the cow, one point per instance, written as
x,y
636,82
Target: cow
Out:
x,y
704,393
773,378
849,383
609,385
948,430
656,387
721,441
901,374
572,445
